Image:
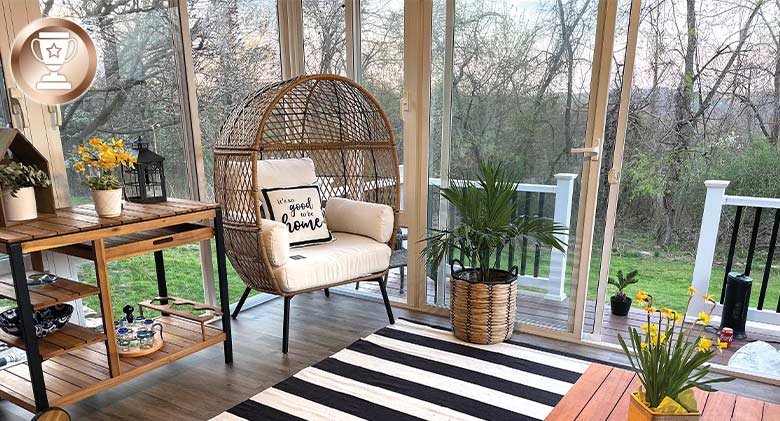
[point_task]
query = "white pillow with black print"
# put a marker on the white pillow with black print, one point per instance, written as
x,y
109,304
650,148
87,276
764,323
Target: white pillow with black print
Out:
x,y
300,209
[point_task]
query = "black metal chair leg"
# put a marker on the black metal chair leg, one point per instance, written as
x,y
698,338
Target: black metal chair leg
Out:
x,y
403,276
357,285
241,302
383,288
327,292
286,327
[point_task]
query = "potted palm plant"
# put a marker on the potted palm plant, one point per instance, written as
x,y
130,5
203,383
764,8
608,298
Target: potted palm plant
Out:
x,y
620,303
18,182
670,360
483,297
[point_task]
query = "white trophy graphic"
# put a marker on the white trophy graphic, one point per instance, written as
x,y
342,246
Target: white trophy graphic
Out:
x,y
55,50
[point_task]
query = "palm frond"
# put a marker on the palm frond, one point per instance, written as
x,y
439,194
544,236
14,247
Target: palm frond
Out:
x,y
487,220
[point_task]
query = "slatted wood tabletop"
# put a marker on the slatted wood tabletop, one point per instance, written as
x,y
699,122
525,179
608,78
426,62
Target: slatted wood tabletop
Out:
x,y
603,393
83,218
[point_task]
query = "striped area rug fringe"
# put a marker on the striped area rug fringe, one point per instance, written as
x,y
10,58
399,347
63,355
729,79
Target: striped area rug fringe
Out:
x,y
411,371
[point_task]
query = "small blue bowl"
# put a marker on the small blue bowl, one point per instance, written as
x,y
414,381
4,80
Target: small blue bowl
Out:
x,y
47,321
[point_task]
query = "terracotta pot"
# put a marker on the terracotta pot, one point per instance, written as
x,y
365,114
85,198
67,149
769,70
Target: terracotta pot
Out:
x,y
22,207
638,411
108,203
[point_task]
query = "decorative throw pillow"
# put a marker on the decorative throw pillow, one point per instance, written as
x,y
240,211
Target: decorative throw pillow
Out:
x,y
290,172
299,208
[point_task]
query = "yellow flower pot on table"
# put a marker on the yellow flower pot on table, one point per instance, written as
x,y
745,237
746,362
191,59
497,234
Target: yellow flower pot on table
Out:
x,y
638,411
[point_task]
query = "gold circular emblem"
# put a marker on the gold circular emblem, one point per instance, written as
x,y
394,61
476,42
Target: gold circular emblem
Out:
x,y
53,61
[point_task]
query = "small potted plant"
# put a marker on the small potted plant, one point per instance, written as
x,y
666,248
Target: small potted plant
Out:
x,y
621,303
18,182
669,359
483,297
97,162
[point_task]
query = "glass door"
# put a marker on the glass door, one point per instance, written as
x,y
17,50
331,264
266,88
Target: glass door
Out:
x,y
523,83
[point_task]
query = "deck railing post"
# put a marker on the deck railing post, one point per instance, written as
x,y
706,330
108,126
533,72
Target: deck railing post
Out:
x,y
708,239
564,191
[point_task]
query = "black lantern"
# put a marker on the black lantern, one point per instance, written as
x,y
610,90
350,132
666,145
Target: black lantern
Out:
x,y
146,182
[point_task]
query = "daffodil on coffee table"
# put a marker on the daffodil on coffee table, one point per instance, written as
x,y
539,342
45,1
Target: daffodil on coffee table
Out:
x,y
98,161
670,359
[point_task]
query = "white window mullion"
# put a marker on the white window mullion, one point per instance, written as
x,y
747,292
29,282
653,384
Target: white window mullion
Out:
x,y
352,25
290,13
446,136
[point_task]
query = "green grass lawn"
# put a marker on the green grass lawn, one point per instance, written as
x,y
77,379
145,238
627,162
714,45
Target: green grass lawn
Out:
x,y
134,279
663,273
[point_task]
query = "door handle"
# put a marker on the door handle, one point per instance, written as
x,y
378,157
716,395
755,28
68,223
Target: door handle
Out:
x,y
593,152
56,115
17,113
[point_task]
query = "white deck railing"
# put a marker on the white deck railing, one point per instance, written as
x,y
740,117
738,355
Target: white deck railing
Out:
x,y
708,237
562,190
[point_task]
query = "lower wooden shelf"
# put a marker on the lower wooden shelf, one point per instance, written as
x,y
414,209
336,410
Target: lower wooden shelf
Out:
x,y
70,337
81,373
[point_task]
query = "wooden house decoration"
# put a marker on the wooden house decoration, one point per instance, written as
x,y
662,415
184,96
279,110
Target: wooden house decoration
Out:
x,y
14,146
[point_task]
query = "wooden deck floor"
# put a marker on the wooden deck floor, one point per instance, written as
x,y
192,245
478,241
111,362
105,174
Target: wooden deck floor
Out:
x,y
535,310
201,386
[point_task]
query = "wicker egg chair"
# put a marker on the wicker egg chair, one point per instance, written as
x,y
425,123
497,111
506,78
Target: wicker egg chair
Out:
x,y
332,121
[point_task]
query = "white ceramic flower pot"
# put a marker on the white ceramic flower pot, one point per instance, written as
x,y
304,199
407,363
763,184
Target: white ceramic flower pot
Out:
x,y
22,207
108,203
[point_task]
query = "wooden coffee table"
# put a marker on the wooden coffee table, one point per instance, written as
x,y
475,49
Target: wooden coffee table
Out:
x,y
603,393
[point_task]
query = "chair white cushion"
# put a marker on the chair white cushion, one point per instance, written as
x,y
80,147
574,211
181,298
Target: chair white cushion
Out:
x,y
362,218
276,240
349,257
274,173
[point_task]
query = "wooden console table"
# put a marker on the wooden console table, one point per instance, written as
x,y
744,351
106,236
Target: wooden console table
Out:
x,y
75,362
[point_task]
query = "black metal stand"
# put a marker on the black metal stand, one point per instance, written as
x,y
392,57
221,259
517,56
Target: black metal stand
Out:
x,y
286,325
241,302
224,300
34,360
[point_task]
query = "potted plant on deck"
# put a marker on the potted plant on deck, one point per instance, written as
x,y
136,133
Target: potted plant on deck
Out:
x,y
669,359
620,303
483,297
18,182
97,162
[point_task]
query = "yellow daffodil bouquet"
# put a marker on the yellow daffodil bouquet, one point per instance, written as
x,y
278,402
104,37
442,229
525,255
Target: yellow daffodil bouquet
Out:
x,y
669,356
98,160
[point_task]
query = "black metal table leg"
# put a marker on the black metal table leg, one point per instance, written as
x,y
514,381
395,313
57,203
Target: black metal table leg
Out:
x,y
34,360
162,283
224,300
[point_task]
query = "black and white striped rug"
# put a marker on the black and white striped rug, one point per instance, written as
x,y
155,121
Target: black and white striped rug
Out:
x,y
410,371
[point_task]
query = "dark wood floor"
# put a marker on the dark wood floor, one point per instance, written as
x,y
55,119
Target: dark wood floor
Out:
x,y
201,386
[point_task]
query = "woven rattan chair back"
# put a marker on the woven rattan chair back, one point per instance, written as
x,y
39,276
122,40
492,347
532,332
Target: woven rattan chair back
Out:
x,y
327,118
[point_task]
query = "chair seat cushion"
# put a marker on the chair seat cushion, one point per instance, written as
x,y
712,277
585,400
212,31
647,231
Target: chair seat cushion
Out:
x,y
349,257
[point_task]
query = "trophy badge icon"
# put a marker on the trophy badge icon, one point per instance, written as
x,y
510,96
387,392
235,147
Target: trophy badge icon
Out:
x,y
53,61
56,49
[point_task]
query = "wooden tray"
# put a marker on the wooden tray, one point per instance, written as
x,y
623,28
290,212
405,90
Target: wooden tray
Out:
x,y
181,308
138,352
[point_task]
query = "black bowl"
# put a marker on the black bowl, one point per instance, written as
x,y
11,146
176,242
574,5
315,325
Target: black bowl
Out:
x,y
47,321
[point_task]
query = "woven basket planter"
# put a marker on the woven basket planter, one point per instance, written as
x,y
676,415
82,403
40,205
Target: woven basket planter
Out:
x,y
483,313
